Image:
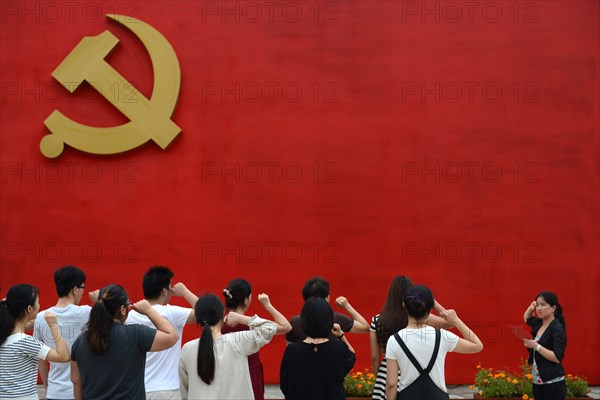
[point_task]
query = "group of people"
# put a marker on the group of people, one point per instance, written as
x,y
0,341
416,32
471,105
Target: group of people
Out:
x,y
123,350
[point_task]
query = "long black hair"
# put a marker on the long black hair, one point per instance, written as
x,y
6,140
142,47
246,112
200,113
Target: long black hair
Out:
x,y
12,310
236,292
393,317
110,300
552,299
209,312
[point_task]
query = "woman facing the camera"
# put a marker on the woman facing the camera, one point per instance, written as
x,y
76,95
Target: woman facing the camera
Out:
x,y
19,352
547,348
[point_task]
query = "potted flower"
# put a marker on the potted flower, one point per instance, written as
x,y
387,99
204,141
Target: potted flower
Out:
x,y
359,384
493,384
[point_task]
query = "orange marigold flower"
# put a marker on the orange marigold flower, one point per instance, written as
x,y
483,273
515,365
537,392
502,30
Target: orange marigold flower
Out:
x,y
478,366
507,379
360,386
471,387
485,381
501,375
525,397
569,375
515,381
359,373
529,376
490,375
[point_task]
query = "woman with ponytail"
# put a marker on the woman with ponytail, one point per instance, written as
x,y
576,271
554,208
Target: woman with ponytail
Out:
x,y
238,296
108,358
393,318
419,350
215,366
19,353
547,348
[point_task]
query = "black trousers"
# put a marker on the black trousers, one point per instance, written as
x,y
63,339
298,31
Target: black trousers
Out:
x,y
550,391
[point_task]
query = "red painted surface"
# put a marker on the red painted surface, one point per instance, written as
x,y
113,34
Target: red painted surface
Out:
x,y
458,149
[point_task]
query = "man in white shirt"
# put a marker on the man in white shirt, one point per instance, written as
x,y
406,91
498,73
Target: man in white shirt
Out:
x,y
71,318
161,376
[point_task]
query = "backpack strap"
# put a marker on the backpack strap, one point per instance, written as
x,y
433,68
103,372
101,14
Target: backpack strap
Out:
x,y
412,358
436,349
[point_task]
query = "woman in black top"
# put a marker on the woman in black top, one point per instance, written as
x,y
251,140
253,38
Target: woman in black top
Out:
x,y
315,368
547,348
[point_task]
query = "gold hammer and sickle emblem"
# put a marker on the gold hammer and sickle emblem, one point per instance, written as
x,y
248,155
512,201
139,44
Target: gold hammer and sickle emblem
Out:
x,y
149,118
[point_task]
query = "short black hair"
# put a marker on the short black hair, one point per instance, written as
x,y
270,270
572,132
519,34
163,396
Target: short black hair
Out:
x,y
315,287
418,301
67,278
316,318
155,280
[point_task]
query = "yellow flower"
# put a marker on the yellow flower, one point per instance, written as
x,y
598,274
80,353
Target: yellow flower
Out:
x,y
471,387
525,397
485,381
501,375
529,376
359,373
490,375
515,381
496,375
480,393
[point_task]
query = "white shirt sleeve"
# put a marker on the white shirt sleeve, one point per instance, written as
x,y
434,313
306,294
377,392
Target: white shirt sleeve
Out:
x,y
261,332
391,348
449,340
179,315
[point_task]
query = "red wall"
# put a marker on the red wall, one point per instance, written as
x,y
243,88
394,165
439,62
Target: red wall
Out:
x,y
453,142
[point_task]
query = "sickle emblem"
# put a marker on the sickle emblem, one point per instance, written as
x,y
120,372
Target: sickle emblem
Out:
x,y
149,118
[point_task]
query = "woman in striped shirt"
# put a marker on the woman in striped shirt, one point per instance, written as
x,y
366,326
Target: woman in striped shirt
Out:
x,y
19,352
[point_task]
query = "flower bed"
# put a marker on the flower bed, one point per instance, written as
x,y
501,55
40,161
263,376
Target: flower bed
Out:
x,y
493,384
359,384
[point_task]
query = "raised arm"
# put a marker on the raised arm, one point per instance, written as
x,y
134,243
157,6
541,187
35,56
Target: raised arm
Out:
x,y
61,354
283,325
360,323
179,289
166,335
529,312
338,333
469,343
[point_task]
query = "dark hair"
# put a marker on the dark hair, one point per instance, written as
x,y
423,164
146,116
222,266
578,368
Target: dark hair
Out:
x,y
110,300
552,299
155,280
316,318
418,301
67,278
236,292
393,317
209,311
315,287
18,298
